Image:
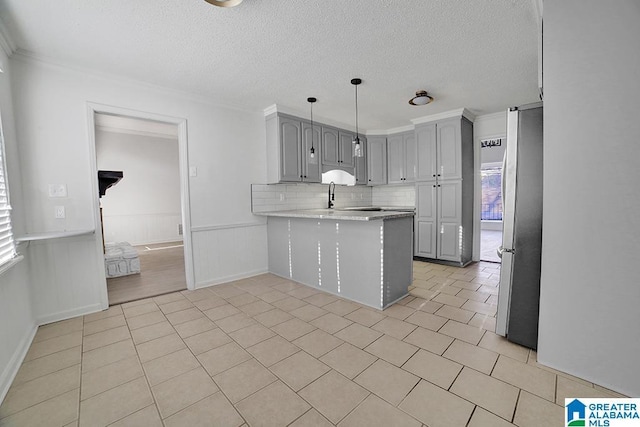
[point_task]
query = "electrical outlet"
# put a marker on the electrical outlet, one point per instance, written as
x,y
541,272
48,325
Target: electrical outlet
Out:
x,y
180,229
193,171
282,197
57,190
59,212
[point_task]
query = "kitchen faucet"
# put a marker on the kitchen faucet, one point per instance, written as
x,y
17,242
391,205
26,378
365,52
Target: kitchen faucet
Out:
x,y
332,195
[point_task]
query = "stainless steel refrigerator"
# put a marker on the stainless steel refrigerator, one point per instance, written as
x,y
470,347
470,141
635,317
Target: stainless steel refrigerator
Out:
x,y
519,292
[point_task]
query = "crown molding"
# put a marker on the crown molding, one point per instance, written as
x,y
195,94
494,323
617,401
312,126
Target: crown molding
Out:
x,y
6,41
275,108
460,112
392,131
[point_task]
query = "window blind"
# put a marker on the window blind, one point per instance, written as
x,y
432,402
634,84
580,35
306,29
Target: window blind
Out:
x,y
7,244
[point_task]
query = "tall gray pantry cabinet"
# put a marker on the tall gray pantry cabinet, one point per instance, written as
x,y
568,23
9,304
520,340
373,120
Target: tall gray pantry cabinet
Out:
x,y
444,190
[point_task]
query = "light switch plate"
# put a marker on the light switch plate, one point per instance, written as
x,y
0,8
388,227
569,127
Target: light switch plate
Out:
x,y
57,190
193,171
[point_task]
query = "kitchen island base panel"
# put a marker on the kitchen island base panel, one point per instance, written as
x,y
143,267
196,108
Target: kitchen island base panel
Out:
x,y
369,262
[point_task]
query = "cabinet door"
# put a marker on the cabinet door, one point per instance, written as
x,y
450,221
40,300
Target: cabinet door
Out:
x,y
449,220
330,152
361,164
346,149
425,140
377,160
395,159
290,134
409,157
449,150
426,219
311,169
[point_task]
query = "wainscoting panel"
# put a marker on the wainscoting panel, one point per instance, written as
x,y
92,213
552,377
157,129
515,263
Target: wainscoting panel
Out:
x,y
230,252
142,229
67,277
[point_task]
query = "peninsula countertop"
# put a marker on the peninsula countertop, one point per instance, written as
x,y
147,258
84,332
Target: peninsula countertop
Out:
x,y
339,214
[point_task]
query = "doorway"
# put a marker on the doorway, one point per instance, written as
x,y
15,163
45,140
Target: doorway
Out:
x,y
492,152
144,216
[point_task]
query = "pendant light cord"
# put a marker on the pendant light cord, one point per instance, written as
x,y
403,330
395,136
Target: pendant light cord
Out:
x,y
312,132
357,134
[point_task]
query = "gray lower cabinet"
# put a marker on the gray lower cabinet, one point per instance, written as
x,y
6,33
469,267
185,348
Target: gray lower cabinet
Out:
x,y
289,150
376,160
439,220
444,190
369,262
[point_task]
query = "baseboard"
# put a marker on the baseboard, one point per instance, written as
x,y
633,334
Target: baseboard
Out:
x,y
231,278
11,370
68,314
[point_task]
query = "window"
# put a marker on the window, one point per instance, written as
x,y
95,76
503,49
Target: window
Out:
x,y
491,192
7,245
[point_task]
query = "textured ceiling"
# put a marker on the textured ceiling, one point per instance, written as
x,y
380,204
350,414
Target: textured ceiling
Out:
x,y
478,54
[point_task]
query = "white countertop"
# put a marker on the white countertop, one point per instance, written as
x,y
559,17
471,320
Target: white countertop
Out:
x,y
338,214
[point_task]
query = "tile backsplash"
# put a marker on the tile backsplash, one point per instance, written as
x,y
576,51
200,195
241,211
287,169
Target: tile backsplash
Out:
x,y
282,197
394,195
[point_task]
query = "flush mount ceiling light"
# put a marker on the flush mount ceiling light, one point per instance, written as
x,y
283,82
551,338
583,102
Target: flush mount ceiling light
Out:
x,y
421,98
357,145
224,3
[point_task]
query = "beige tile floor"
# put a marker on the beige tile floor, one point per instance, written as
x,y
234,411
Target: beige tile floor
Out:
x,y
266,351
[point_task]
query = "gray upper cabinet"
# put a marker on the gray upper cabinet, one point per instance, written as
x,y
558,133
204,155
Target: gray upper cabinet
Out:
x,y
337,149
311,170
330,146
401,154
288,150
426,152
361,164
394,159
439,150
449,149
346,149
376,160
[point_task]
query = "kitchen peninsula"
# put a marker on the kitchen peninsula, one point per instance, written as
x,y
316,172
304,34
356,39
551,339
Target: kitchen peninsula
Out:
x,y
364,256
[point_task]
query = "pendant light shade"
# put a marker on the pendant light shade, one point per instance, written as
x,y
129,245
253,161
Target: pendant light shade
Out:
x,y
224,3
421,98
357,144
313,159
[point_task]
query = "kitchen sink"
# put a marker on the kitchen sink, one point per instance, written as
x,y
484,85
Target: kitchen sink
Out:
x,y
368,209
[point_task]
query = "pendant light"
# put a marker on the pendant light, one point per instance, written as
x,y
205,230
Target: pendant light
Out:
x,y
312,151
357,144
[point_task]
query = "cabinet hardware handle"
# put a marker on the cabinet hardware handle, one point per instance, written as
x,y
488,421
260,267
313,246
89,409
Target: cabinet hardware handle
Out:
x,y
434,174
369,180
438,174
